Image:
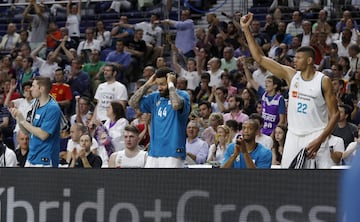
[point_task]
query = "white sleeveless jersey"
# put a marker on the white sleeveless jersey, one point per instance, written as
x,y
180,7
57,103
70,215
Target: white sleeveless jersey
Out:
x,y
138,161
307,110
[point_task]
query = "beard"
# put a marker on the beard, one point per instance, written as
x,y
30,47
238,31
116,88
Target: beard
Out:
x,y
164,93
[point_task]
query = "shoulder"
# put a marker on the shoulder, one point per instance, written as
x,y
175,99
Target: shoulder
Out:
x,y
262,149
352,126
53,105
183,93
120,85
122,121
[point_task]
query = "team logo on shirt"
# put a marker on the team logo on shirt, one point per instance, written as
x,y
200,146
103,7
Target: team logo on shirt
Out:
x,y
296,85
158,103
294,94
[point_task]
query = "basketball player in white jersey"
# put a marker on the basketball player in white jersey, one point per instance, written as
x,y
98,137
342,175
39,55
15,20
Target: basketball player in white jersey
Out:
x,y
131,156
312,107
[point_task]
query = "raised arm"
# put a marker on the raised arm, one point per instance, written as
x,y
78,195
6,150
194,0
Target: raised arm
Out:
x,y
12,89
68,54
26,14
135,99
281,71
176,64
252,83
177,102
35,53
79,8
38,11
68,8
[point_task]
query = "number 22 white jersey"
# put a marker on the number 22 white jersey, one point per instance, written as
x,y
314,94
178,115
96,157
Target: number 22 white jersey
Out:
x,y
307,110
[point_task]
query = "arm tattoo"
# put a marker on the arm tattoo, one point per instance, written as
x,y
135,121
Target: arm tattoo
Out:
x,y
176,101
135,99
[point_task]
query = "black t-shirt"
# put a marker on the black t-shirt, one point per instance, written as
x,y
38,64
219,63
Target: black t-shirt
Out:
x,y
21,158
94,161
138,46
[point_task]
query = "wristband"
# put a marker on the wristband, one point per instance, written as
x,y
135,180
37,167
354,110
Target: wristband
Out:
x,y
170,85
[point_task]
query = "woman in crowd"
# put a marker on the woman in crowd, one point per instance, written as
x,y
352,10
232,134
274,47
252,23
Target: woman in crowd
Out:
x,y
249,99
209,133
222,139
85,158
115,124
279,141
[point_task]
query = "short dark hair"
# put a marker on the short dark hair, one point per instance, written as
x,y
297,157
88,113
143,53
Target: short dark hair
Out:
x,y
258,117
348,109
132,129
276,81
44,81
233,124
254,122
27,83
223,89
30,60
238,99
24,31
206,103
162,72
310,51
156,15
120,40
114,68
205,75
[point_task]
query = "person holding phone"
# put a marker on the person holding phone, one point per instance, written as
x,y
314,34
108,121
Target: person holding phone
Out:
x,y
245,152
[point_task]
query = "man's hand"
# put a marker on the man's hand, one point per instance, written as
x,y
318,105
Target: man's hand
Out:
x,y
151,81
246,20
16,114
240,146
82,153
312,148
13,87
74,154
171,77
243,60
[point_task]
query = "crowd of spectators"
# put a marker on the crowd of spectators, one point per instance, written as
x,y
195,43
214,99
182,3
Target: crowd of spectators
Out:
x,y
93,78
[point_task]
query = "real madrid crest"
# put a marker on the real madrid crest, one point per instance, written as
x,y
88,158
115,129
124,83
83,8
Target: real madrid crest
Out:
x,y
113,89
296,85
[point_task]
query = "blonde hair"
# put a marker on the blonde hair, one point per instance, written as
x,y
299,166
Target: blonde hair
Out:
x,y
227,132
218,117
